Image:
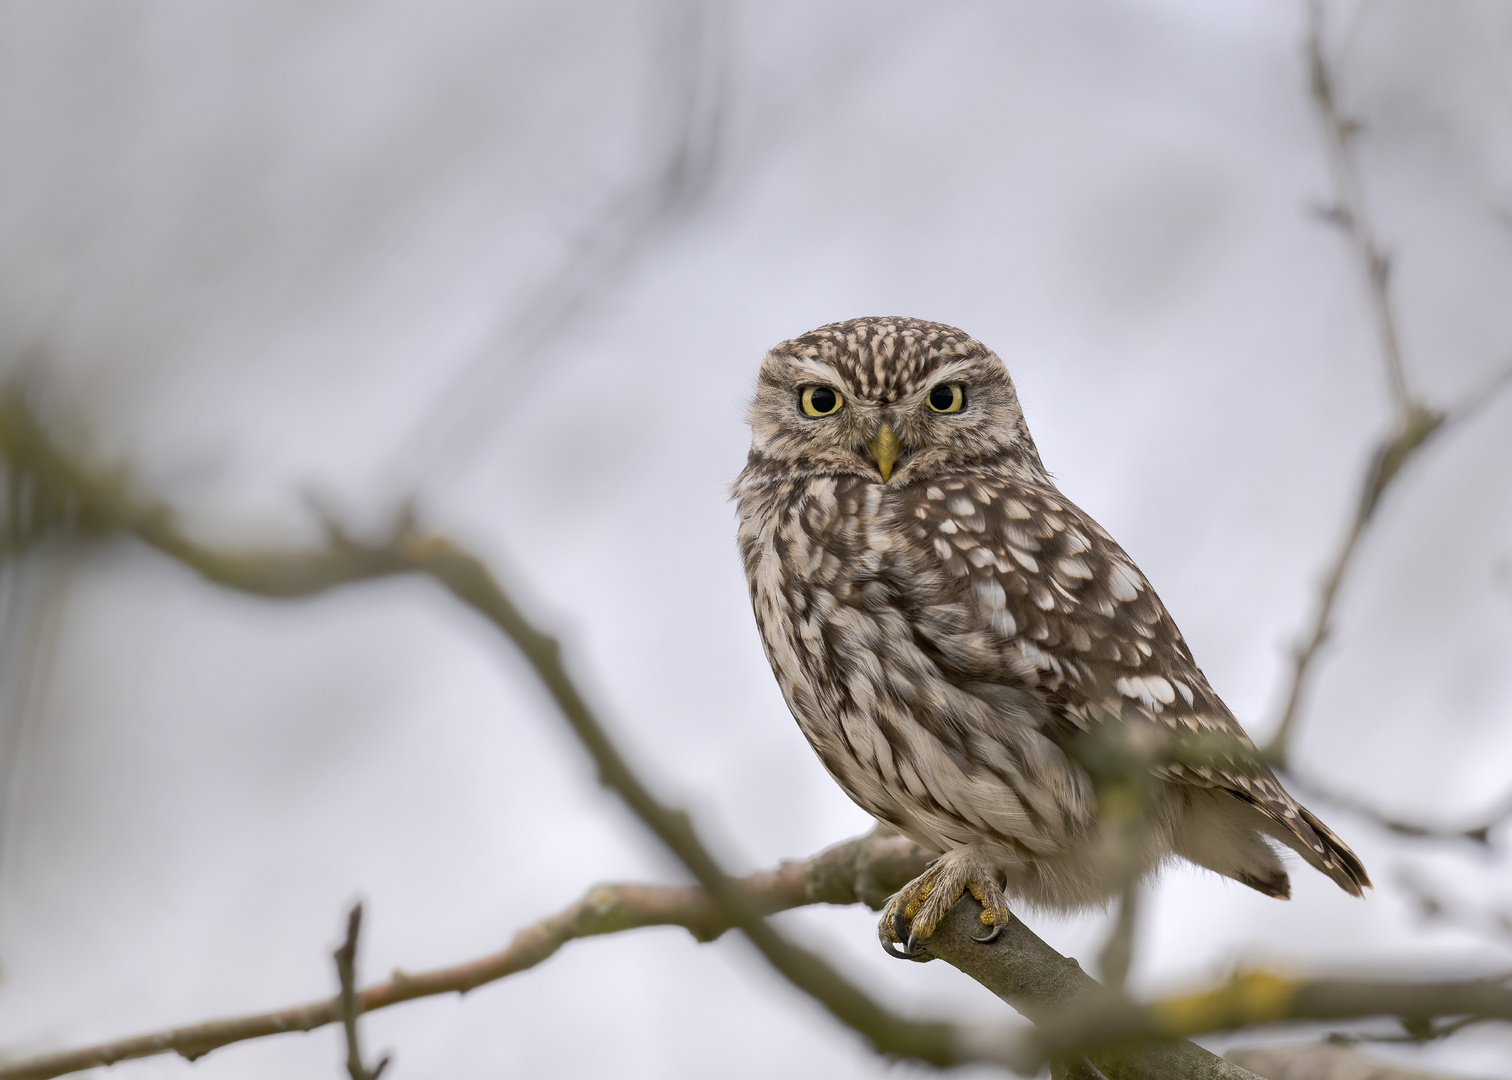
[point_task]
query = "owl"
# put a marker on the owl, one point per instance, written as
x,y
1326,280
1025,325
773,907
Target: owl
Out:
x,y
974,660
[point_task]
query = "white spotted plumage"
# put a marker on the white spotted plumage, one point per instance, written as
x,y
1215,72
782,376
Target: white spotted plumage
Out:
x,y
947,635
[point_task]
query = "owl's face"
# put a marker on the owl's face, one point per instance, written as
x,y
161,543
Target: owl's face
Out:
x,y
890,399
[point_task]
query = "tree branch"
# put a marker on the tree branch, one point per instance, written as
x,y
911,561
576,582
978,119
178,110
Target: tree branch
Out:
x,y
1478,832
1042,984
1350,210
1416,423
349,1002
1323,1061
1257,998
867,869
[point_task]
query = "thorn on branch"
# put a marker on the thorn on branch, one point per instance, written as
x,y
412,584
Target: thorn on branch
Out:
x,y
350,1007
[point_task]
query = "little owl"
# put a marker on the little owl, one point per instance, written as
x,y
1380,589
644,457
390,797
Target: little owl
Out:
x,y
973,658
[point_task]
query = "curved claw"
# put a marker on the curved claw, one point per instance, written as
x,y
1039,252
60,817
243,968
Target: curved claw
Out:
x,y
912,949
902,952
992,934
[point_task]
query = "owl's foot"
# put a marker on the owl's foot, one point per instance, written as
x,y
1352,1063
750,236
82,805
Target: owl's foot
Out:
x,y
911,916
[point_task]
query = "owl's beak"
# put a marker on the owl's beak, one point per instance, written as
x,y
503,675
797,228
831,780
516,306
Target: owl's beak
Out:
x,y
884,449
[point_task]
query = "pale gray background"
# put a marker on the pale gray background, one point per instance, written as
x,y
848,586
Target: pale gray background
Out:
x,y
373,249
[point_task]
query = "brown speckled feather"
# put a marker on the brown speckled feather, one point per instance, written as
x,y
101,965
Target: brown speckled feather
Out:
x,y
1041,597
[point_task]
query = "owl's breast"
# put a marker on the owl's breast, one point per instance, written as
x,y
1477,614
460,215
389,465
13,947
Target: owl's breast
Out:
x,y
834,584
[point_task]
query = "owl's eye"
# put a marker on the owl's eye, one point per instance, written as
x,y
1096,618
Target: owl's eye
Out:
x,y
948,397
821,401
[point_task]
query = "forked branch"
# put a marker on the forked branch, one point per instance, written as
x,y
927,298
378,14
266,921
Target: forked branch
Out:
x,y
1415,422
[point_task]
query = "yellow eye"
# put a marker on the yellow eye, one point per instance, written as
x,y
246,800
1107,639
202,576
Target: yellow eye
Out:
x,y
821,401
948,397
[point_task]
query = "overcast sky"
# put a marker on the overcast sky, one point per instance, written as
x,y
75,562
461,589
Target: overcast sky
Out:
x,y
520,261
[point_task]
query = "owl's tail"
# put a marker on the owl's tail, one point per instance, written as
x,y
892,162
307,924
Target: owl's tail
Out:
x,y
1321,846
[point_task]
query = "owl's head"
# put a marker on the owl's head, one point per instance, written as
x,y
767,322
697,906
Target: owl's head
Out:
x,y
888,398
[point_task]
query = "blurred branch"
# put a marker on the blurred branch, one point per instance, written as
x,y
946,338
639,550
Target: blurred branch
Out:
x,y
1479,833
691,109
1258,998
1350,211
1323,1061
1416,423
1390,455
866,869
350,1003
1433,906
1118,952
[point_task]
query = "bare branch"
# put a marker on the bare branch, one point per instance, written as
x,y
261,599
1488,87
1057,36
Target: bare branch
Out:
x,y
1257,998
1350,211
1390,456
1118,953
1434,906
1042,984
1415,424
867,870
349,1002
1479,832
692,108
1323,1061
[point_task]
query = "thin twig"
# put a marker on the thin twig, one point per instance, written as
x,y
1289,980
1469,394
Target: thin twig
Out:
x,y
1351,212
1479,832
1390,457
1433,906
349,1002
678,181
1414,424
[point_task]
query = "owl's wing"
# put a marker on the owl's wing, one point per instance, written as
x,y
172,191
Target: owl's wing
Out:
x,y
1010,583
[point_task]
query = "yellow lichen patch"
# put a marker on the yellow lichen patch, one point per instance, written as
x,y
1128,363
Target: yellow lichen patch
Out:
x,y
1250,997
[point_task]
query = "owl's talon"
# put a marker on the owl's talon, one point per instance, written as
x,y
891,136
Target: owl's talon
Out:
x,y
911,951
902,943
913,915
